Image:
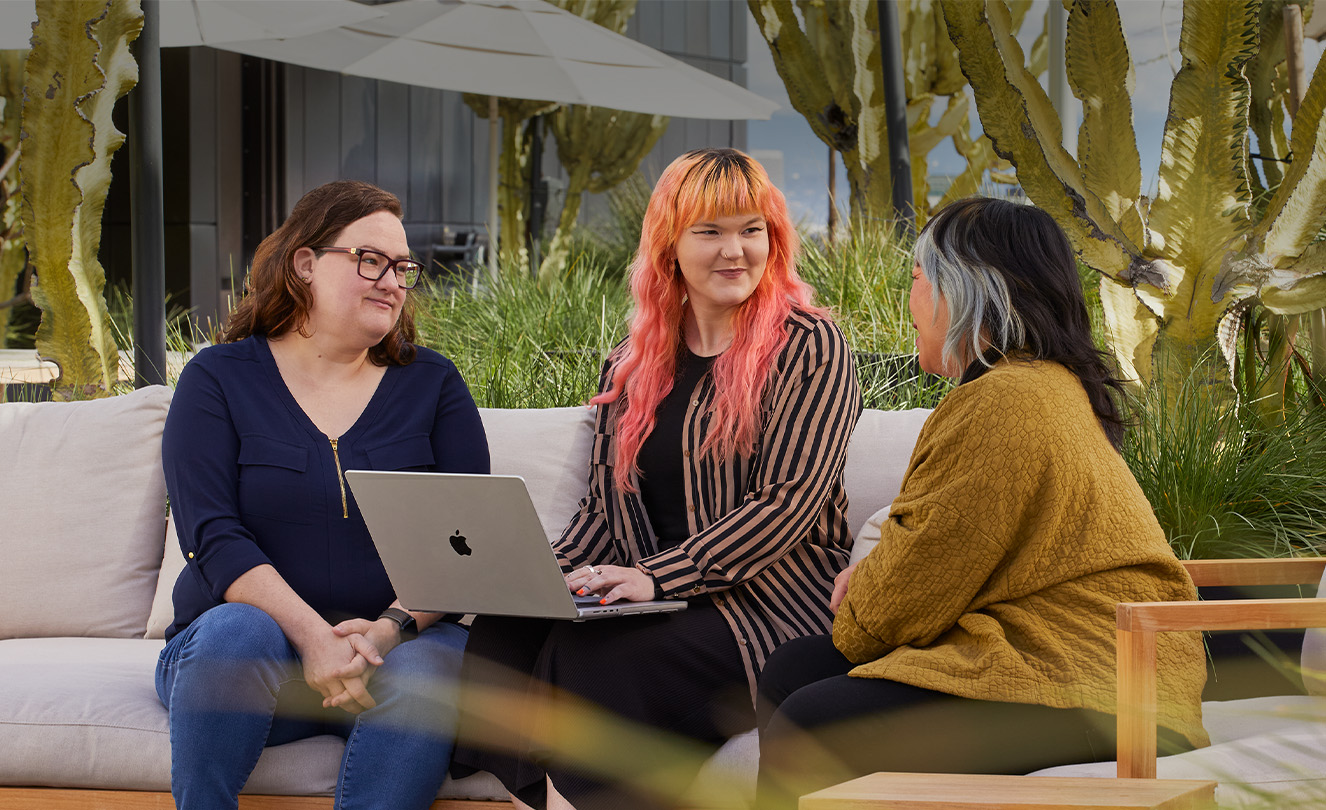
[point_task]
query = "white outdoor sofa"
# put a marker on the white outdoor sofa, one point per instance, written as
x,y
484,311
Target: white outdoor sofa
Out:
x,y
87,562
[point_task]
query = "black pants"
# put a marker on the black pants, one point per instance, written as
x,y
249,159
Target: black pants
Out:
x,y
819,726
618,713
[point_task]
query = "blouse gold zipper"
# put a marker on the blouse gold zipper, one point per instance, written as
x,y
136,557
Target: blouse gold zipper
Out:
x,y
340,479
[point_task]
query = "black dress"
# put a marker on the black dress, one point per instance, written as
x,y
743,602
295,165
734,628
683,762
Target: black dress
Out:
x,y
583,703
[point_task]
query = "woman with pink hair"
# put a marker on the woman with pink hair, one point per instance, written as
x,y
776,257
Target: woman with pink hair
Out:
x,y
716,477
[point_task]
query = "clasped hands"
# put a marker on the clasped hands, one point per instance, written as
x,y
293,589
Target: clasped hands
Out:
x,y
342,661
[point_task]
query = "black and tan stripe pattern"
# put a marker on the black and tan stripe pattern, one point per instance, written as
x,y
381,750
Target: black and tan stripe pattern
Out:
x,y
768,532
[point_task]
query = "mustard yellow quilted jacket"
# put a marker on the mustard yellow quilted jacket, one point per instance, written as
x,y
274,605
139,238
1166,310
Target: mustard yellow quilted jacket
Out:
x,y
1017,530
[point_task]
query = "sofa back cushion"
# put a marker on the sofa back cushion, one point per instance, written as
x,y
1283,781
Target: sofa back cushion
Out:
x,y
83,502
549,448
877,458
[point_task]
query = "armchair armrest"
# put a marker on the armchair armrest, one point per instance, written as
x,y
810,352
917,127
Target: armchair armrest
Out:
x,y
1138,624
1268,571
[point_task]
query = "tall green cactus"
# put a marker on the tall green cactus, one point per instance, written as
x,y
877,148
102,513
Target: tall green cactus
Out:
x,y
513,171
515,164
1178,270
599,148
828,55
829,59
79,66
13,254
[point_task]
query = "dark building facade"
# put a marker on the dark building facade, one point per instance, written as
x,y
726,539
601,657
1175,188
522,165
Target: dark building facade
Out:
x,y
244,138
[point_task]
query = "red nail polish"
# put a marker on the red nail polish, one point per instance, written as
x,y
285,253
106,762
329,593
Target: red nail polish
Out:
x,y
580,592
603,601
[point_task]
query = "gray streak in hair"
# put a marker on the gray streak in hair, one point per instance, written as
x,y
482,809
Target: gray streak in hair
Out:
x,y
971,289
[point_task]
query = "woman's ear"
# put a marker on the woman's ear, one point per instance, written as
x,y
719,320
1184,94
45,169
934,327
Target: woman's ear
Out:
x,y
303,262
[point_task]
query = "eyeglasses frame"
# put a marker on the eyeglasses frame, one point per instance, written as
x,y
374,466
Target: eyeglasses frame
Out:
x,y
358,253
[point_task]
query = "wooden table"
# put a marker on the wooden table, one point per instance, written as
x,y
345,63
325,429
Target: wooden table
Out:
x,y
947,791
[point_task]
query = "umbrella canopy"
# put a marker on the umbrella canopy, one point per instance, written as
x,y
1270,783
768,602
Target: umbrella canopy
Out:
x,y
210,22
515,49
525,49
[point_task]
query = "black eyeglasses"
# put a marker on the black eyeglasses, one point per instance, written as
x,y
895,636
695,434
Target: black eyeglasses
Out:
x,y
373,265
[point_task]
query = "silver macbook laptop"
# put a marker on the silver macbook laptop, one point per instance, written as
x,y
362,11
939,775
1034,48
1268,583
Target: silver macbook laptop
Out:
x,y
454,543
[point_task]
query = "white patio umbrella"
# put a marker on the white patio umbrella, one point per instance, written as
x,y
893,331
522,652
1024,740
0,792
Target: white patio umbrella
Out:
x,y
525,49
209,22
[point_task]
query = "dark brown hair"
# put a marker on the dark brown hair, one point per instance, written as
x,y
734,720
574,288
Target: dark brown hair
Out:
x,y
1008,275
276,301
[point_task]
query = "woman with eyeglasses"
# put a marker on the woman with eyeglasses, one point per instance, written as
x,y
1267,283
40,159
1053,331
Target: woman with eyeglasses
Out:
x,y
286,625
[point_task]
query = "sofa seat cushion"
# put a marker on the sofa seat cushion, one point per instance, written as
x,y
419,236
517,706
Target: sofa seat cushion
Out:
x,y
1281,767
84,505
1227,720
84,713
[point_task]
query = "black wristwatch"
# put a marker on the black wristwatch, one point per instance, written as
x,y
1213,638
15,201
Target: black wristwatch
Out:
x,y
406,622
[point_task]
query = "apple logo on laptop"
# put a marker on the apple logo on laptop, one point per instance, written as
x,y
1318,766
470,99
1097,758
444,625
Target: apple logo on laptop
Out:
x,y
458,543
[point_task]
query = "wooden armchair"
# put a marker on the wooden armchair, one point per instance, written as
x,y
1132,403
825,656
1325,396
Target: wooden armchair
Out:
x,y
1139,622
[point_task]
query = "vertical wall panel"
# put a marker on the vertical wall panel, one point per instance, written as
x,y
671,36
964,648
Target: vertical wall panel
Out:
x,y
425,155
739,12
457,150
720,29
697,20
359,113
393,138
322,128
648,23
674,28
295,93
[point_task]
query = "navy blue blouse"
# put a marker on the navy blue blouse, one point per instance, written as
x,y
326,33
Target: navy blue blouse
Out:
x,y
252,481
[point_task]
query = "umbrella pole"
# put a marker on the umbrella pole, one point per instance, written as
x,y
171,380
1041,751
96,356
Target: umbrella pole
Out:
x,y
147,209
492,187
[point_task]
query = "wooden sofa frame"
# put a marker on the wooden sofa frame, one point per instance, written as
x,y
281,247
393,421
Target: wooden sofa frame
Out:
x,y
1138,624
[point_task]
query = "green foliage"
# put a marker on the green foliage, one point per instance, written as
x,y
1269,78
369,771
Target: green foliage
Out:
x,y
515,164
79,66
1223,481
611,241
526,344
864,279
1183,267
599,148
828,56
13,253
522,344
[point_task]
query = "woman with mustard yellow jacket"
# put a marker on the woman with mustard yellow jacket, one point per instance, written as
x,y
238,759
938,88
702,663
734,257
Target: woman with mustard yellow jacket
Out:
x,y
978,636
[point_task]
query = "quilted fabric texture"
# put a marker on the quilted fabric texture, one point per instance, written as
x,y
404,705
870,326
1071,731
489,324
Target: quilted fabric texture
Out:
x,y
1017,530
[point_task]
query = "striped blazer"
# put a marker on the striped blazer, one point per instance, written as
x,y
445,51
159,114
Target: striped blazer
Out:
x,y
768,531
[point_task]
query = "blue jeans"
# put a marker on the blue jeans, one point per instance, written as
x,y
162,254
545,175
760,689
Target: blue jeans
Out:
x,y
233,684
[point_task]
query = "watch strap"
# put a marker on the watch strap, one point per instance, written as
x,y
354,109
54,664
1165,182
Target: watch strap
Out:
x,y
402,619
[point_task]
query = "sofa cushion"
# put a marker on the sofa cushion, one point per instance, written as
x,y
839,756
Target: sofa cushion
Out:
x,y
1314,653
549,448
1226,720
163,603
84,713
868,537
877,458
1279,769
84,505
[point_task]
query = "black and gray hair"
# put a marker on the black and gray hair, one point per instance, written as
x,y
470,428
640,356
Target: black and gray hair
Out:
x,y
1008,276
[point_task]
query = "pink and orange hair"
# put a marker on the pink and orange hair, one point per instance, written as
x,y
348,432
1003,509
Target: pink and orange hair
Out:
x,y
699,186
